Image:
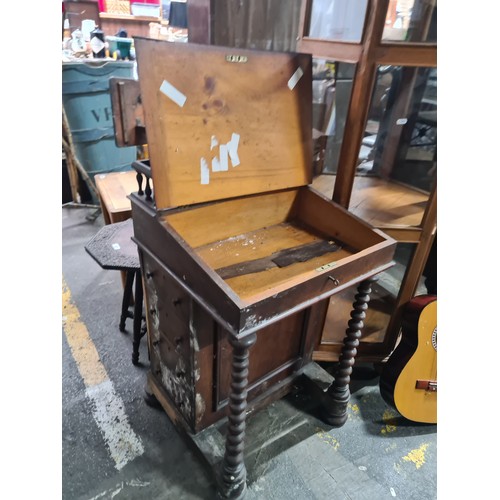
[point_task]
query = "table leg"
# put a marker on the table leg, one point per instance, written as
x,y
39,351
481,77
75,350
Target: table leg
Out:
x,y
338,394
137,317
127,294
232,483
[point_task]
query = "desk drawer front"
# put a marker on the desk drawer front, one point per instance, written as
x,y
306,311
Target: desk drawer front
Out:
x,y
167,310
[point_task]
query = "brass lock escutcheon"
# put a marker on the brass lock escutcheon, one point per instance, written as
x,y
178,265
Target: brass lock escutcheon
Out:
x,y
233,58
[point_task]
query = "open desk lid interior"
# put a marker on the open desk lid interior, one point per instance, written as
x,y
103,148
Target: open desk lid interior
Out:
x,y
224,122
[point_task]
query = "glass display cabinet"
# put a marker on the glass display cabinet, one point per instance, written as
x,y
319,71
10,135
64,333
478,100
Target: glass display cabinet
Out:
x,y
383,160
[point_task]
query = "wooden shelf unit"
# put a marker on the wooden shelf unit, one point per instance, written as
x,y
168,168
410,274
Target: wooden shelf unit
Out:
x,y
394,208
133,25
406,214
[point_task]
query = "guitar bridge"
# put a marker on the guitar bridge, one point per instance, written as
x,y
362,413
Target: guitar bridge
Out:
x,y
427,385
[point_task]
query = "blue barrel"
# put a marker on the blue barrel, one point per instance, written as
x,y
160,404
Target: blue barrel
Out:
x,y
87,102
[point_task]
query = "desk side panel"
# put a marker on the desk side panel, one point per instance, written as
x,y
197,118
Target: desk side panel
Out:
x,y
177,259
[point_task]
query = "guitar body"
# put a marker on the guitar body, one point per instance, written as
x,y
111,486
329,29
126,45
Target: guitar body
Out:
x,y
408,381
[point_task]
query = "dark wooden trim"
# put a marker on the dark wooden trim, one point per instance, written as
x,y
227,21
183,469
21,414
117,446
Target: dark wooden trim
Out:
x,y
218,403
304,334
304,19
321,312
199,21
217,333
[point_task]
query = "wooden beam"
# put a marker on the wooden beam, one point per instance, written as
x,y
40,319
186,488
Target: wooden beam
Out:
x,y
360,102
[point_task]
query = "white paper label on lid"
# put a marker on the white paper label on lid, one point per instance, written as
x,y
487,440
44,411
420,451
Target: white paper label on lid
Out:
x,y
204,171
215,164
232,148
172,93
294,79
220,163
223,157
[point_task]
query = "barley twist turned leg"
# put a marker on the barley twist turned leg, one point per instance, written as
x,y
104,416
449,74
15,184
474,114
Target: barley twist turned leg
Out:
x,y
337,397
233,475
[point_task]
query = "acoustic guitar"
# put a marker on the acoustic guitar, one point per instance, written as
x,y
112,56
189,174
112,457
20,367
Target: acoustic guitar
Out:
x,y
408,381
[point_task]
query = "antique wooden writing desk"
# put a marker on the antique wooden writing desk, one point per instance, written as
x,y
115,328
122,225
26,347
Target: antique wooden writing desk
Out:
x,y
236,248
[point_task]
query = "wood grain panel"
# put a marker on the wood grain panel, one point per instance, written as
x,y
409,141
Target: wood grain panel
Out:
x,y
311,218
113,189
128,113
379,202
275,354
207,224
255,245
249,98
335,221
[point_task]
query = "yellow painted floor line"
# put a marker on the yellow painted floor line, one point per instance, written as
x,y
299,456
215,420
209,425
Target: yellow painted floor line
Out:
x,y
108,409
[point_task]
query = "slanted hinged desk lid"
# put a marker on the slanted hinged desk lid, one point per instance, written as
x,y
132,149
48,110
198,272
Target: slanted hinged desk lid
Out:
x,y
224,122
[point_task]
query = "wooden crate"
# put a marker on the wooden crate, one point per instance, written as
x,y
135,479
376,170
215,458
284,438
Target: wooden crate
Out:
x,y
118,6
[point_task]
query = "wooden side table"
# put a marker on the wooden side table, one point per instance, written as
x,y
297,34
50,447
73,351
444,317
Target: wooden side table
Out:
x,y
113,190
113,248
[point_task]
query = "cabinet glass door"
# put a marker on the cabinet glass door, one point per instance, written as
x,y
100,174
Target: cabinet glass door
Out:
x,y
397,159
337,20
411,21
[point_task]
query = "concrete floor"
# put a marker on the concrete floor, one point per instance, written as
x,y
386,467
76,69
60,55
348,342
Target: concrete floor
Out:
x,y
115,446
